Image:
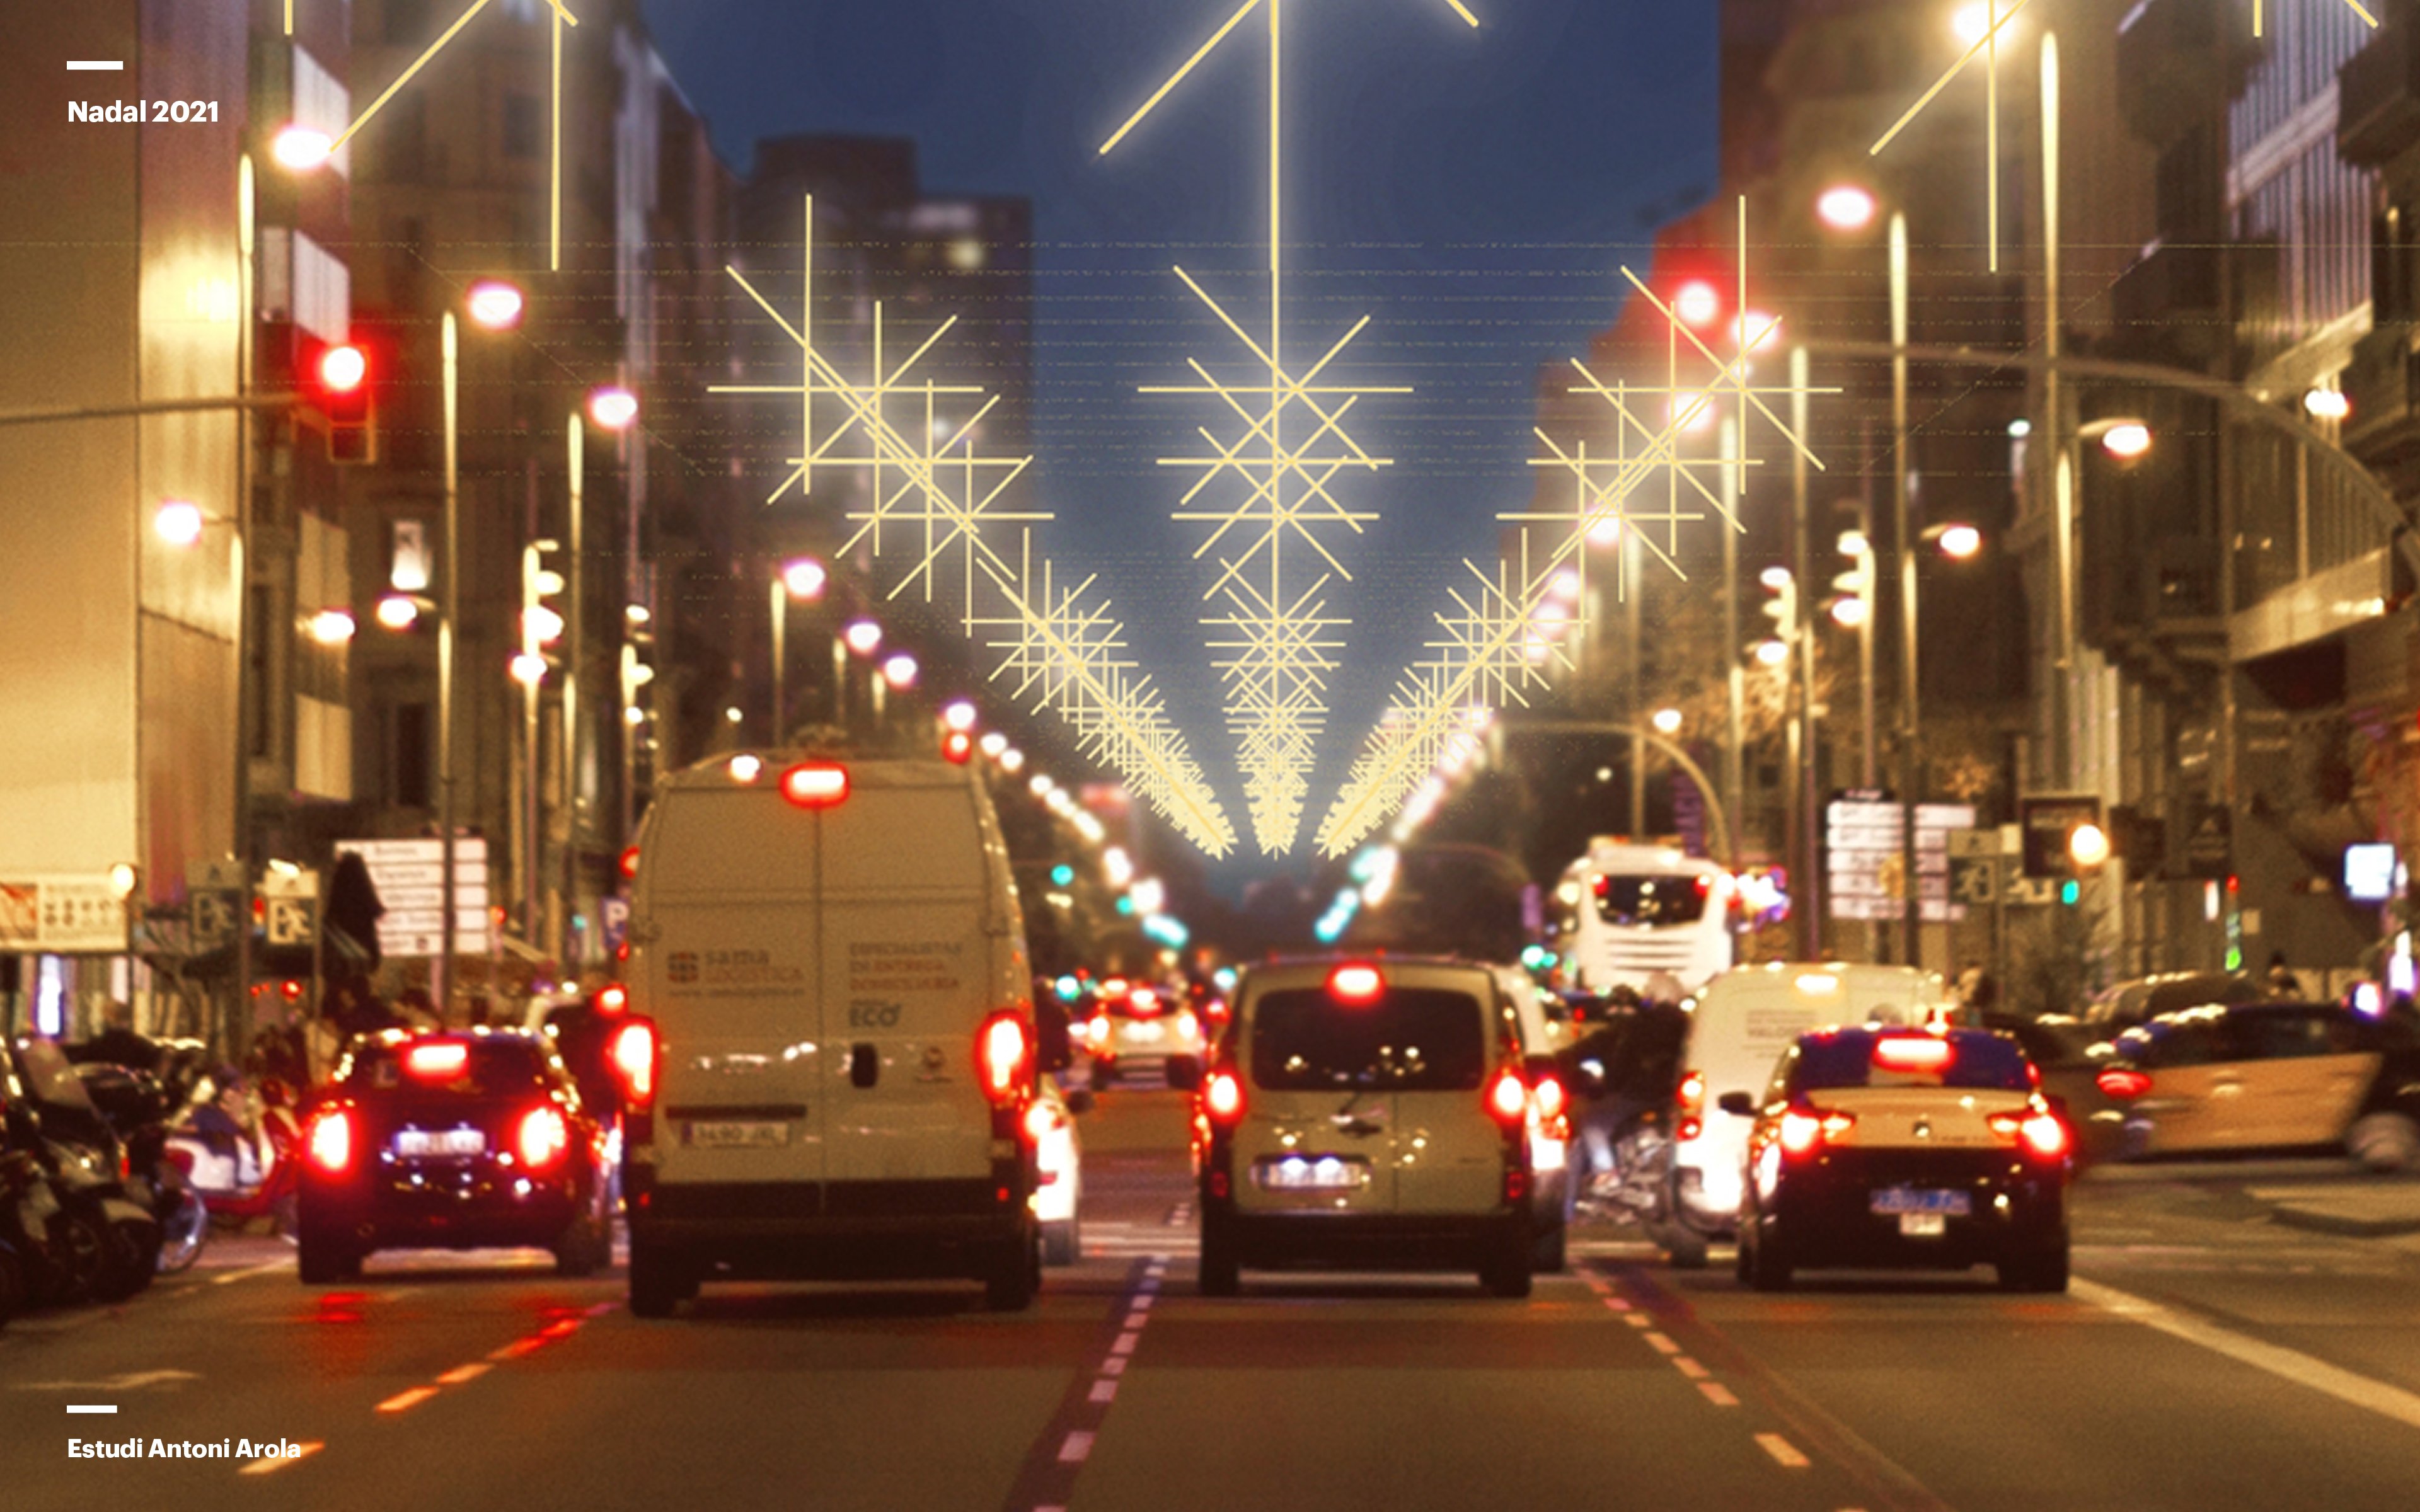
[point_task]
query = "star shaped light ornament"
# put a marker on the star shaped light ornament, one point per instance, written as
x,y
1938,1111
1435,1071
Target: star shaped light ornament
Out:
x,y
1512,636
1266,484
937,507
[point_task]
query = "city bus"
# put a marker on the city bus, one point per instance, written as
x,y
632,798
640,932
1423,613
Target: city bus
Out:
x,y
1626,912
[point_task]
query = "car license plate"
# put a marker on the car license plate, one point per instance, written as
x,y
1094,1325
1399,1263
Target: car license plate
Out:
x,y
1923,1225
736,1136
1921,1202
1311,1173
441,1142
1147,1031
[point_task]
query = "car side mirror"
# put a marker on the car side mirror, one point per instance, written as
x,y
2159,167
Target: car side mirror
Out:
x,y
1184,1074
1739,1103
1079,1102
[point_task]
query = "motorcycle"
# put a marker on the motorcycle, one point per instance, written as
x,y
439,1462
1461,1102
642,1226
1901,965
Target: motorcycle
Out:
x,y
237,1158
56,1122
60,1249
135,1106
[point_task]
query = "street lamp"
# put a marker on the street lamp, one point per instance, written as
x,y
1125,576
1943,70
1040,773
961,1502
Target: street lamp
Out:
x,y
900,672
1845,208
960,714
300,148
178,522
1667,722
613,408
802,579
494,305
2124,439
1956,542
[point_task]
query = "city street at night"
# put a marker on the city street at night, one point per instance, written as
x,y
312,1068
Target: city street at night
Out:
x,y
2208,1357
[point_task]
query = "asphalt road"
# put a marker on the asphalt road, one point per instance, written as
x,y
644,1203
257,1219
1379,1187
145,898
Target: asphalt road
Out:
x,y
2208,1358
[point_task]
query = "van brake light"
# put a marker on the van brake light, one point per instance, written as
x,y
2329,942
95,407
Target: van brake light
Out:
x,y
633,1053
1508,1097
1222,1097
815,784
1004,1057
1354,984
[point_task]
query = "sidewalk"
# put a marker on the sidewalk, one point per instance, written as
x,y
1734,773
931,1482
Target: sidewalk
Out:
x,y
2375,1209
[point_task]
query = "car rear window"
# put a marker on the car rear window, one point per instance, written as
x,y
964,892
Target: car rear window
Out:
x,y
1409,1039
1979,1061
492,1066
1677,899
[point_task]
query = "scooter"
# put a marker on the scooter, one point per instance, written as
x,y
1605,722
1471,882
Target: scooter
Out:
x,y
55,1121
241,1169
135,1106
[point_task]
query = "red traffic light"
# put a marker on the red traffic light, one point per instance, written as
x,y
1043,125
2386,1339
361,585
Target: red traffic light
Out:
x,y
343,369
958,746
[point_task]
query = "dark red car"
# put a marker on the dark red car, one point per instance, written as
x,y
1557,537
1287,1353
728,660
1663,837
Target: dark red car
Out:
x,y
471,1139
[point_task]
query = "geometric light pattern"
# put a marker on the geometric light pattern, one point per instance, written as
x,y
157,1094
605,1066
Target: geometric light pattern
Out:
x,y
563,17
1266,487
1507,636
936,507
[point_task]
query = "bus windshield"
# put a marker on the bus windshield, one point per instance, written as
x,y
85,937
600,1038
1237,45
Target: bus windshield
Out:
x,y
1666,900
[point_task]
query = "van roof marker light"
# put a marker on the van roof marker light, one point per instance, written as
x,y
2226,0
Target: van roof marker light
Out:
x,y
815,784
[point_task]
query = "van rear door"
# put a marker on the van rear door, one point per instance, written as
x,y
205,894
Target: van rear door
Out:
x,y
915,924
727,971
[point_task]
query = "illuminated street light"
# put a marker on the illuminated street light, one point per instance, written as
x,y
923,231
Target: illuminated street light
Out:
x,y
1845,208
865,636
2126,439
178,522
613,408
494,305
803,578
529,669
993,744
332,627
1960,541
1667,721
1772,653
959,715
1971,22
2088,846
1698,303
122,880
2327,403
1849,613
900,670
300,148
1012,760
637,615
398,611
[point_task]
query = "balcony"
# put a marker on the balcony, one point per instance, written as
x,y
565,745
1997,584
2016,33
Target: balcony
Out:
x,y
2382,383
2378,99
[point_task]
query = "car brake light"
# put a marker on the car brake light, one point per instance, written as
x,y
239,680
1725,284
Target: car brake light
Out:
x,y
1096,1028
2122,1082
815,784
1143,1003
332,1141
1354,984
1222,1097
613,997
630,862
1039,1120
1004,1057
2044,1135
1550,1099
543,1137
633,1052
1692,1092
1803,1129
1188,1027
1914,1052
1508,1098
436,1060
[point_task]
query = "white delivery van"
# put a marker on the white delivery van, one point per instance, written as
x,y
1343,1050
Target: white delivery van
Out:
x,y
1740,1024
831,1046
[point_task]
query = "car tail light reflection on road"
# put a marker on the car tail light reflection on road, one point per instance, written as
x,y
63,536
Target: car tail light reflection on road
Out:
x,y
330,1144
2122,1082
543,1137
1222,1097
633,1051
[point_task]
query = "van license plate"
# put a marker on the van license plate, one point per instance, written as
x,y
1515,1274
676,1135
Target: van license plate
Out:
x,y
1916,1201
1321,1173
751,1135
441,1142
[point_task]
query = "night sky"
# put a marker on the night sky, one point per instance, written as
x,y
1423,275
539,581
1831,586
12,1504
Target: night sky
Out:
x,y
1473,191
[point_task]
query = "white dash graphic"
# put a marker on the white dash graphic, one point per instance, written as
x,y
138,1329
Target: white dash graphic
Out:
x,y
95,66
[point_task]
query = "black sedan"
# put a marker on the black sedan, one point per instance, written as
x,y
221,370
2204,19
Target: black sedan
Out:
x,y
464,1140
1904,1148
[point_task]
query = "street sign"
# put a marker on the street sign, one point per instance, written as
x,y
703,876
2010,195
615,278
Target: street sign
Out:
x,y
1863,862
292,921
2207,850
213,919
1974,880
62,916
409,875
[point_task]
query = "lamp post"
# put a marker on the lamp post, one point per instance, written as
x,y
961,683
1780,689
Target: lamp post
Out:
x,y
801,580
614,409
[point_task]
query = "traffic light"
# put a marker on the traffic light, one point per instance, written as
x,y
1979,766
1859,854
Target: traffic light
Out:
x,y
957,746
1853,602
2065,834
1063,874
340,389
1782,608
542,621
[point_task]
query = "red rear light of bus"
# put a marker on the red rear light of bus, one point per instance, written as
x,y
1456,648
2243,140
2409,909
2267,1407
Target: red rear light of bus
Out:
x,y
632,1051
815,784
1004,1057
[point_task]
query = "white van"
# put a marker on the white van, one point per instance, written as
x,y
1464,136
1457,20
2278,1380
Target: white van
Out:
x,y
831,1044
1740,1024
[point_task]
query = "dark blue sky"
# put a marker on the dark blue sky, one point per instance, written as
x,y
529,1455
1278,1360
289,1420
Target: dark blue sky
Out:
x,y
1474,192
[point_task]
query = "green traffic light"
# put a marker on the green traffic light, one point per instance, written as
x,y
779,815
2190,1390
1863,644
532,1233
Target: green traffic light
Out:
x,y
1063,874
2068,891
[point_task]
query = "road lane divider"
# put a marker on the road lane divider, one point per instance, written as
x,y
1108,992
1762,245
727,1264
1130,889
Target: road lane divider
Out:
x,y
2287,1365
404,1402
1784,1453
1046,1480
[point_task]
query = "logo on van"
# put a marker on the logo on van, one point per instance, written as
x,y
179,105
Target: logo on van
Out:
x,y
682,968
